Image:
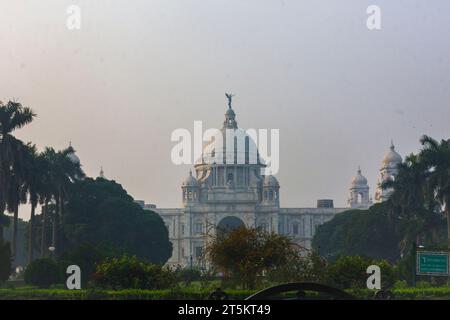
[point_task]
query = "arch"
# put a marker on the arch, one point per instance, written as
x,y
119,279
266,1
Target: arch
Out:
x,y
229,223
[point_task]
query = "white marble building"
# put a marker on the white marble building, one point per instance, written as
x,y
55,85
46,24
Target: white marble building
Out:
x,y
230,194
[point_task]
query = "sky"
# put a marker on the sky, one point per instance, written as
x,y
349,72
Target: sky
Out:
x,y
137,70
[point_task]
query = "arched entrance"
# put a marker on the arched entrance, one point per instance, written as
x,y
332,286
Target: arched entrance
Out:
x,y
229,223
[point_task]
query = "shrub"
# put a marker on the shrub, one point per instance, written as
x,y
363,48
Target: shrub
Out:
x,y
5,261
131,273
43,273
350,272
86,257
187,275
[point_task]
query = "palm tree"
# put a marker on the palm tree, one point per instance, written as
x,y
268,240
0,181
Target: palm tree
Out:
x,y
12,116
409,187
437,158
409,203
65,168
15,191
36,169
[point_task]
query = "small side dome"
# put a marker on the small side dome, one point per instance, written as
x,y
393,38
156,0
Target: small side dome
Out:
x,y
359,179
392,157
190,181
271,181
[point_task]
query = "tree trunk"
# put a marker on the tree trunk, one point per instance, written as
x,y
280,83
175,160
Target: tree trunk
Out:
x,y
44,230
15,229
31,235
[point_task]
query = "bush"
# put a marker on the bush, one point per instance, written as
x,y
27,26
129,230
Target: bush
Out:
x,y
131,273
86,257
43,273
5,261
187,275
349,272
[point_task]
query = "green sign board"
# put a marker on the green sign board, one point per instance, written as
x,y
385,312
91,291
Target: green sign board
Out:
x,y
432,263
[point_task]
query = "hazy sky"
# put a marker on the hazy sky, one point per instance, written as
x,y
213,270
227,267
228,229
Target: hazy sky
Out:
x,y
137,70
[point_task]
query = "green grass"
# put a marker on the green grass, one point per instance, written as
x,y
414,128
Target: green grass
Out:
x,y
195,291
30,293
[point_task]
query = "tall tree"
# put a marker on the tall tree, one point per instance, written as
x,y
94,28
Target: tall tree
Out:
x,y
65,168
36,170
12,116
436,155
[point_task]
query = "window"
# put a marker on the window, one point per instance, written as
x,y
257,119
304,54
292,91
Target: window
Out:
x,y
182,229
295,228
198,227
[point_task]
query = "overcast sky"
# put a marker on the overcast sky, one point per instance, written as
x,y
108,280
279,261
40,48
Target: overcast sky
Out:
x,y
137,70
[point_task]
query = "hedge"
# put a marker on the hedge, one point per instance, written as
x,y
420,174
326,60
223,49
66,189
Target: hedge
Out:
x,y
126,294
29,293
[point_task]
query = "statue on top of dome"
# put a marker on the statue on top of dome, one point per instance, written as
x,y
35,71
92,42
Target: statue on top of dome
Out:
x,y
230,98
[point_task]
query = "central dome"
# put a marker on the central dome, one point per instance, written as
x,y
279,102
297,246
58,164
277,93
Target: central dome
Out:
x,y
231,145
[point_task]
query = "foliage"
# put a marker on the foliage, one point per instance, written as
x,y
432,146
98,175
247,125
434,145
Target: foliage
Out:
x,y
86,257
5,261
245,254
349,272
101,213
43,273
130,273
369,232
187,275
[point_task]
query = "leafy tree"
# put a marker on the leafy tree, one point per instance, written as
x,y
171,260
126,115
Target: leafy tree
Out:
x,y
369,232
5,261
99,212
244,254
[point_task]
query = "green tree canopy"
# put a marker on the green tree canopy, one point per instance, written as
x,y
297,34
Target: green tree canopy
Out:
x,y
99,212
369,232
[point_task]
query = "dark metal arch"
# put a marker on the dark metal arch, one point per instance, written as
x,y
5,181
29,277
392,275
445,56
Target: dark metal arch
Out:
x,y
266,294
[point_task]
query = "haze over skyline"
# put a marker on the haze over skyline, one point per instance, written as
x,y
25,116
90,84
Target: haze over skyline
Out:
x,y
136,71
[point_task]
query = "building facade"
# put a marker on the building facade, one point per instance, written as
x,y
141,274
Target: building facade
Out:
x,y
230,193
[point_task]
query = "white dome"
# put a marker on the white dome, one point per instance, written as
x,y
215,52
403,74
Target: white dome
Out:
x,y
392,157
270,180
359,179
216,148
190,181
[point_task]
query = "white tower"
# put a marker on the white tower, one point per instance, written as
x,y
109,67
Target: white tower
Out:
x,y
388,171
359,192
